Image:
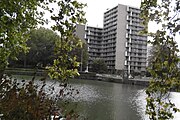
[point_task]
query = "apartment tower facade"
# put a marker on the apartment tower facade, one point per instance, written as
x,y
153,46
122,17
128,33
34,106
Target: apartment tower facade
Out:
x,y
119,41
124,47
93,36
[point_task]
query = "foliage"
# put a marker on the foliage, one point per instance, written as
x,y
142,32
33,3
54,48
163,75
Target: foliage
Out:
x,y
82,56
164,62
99,66
85,56
65,64
151,53
41,44
32,99
24,101
123,73
17,18
41,52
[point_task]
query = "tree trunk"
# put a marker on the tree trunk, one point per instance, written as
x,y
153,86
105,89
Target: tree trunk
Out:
x,y
1,74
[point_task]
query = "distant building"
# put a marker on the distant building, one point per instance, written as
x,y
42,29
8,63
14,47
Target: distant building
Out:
x,y
118,42
94,38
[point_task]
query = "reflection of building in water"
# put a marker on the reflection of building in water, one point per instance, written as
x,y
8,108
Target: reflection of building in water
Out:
x,y
118,42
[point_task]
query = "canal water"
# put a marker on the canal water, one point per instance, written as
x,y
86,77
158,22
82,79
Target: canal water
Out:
x,y
112,101
99,100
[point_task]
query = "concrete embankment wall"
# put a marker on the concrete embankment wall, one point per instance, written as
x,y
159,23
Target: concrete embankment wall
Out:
x,y
29,72
85,76
91,76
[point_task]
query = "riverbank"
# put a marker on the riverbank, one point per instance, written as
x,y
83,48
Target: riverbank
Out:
x,y
26,71
113,78
83,75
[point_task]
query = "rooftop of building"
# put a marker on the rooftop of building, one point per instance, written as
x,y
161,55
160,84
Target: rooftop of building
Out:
x,y
111,9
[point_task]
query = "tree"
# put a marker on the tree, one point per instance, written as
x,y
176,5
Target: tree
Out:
x,y
41,44
65,64
17,18
82,56
154,52
24,101
99,66
41,52
164,64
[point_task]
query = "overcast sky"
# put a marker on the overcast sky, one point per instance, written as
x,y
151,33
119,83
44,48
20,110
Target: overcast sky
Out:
x,y
96,8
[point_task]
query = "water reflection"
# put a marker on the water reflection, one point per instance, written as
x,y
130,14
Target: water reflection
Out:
x,y
140,103
107,101
112,101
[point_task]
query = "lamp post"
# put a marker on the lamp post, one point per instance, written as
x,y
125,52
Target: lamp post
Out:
x,y
81,60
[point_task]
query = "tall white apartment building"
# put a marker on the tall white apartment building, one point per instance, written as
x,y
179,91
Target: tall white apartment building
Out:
x,y
119,41
124,48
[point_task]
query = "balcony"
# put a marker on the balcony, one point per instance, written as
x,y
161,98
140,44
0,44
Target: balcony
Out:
x,y
130,31
131,14
127,26
129,58
130,23
127,36
127,18
111,54
127,45
126,53
125,62
127,8
111,59
85,27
